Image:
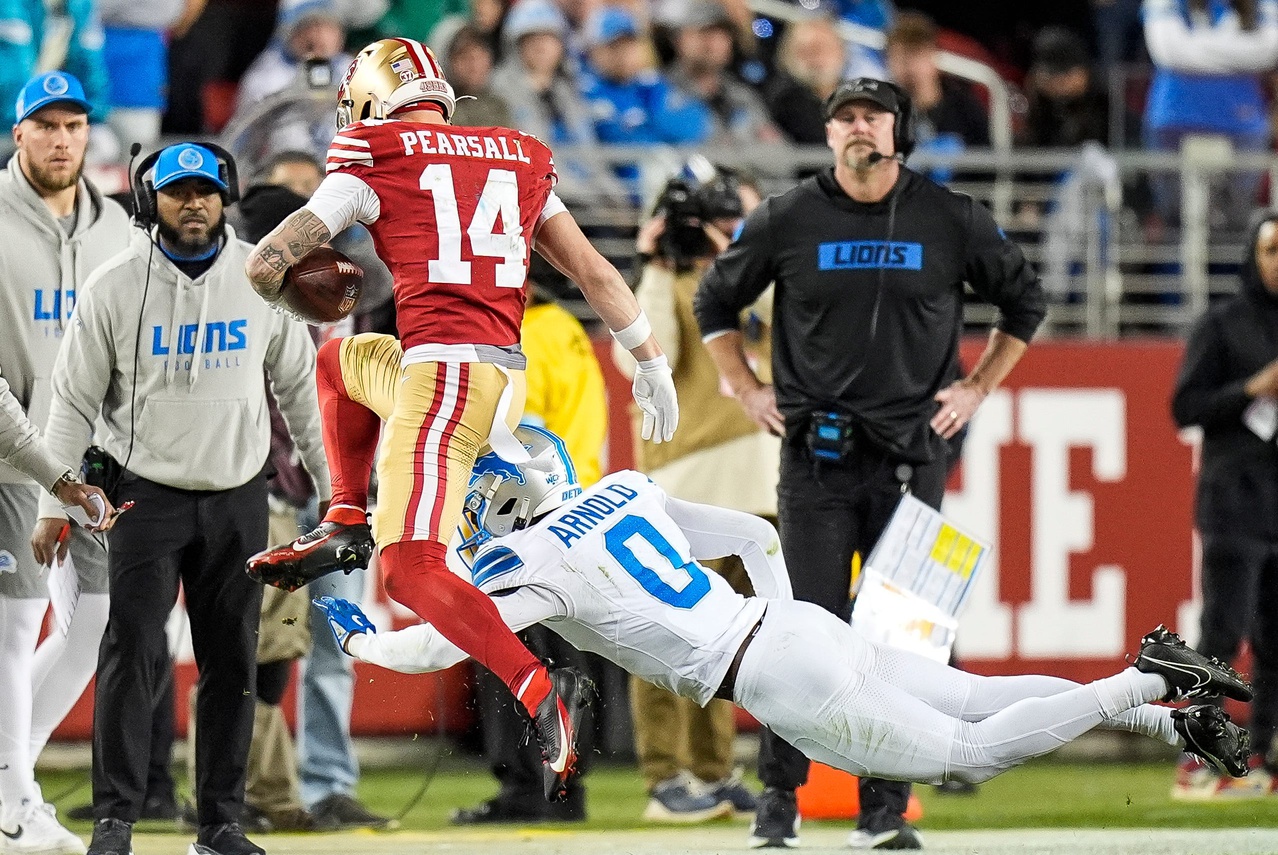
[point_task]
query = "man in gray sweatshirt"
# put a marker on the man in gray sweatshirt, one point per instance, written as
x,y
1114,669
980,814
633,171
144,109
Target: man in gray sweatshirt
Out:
x,y
55,228
168,345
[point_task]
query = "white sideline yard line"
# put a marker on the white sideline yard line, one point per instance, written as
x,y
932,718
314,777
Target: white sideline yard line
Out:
x,y
731,839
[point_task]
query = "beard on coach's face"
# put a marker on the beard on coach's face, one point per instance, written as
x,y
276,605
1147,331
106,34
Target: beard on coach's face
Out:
x,y
191,217
58,172
193,234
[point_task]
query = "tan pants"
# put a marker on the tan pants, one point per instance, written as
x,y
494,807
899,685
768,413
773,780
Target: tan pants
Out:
x,y
673,733
438,417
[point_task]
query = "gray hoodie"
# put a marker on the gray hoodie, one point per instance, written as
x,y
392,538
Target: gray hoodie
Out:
x,y
21,445
41,272
197,414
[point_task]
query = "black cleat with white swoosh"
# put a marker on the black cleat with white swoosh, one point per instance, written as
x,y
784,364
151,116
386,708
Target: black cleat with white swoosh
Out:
x,y
1189,673
1209,734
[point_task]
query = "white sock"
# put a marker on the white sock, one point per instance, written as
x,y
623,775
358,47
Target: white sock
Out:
x,y
1147,720
63,666
1128,689
20,621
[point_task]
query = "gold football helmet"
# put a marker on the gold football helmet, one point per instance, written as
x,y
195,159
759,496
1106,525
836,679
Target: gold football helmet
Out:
x,y
389,75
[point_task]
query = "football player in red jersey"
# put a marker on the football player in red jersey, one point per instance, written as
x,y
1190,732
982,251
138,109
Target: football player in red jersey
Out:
x,y
454,213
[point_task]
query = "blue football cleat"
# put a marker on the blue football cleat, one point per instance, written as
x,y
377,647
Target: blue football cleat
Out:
x,y
344,619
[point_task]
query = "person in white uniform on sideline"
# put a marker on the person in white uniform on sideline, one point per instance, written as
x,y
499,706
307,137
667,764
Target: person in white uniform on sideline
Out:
x,y
56,227
613,569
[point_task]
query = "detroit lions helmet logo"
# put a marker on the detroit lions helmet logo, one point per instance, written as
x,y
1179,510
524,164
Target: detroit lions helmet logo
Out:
x,y
492,464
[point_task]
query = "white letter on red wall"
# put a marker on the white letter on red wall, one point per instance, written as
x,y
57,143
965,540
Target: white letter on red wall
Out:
x,y
1053,422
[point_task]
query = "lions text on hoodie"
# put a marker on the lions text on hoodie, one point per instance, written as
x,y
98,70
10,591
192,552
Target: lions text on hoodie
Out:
x,y
42,271
196,417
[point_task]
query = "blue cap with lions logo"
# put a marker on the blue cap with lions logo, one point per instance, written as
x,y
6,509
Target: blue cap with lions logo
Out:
x,y
52,87
187,160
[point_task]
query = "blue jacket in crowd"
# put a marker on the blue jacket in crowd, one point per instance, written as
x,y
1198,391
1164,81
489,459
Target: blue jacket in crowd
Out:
x,y
644,110
1230,104
24,25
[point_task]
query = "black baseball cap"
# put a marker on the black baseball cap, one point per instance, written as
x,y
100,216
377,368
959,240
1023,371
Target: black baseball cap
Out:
x,y
863,89
1058,50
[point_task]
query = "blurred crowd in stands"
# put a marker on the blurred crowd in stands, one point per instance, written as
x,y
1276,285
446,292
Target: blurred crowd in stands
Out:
x,y
651,72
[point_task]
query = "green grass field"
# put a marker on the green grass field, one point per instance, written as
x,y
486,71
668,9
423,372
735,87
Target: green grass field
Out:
x,y
1041,795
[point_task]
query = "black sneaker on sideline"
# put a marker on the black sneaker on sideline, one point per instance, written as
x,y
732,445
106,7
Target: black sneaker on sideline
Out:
x,y
226,838
339,810
555,726
1209,734
903,836
776,820
111,837
498,809
1189,673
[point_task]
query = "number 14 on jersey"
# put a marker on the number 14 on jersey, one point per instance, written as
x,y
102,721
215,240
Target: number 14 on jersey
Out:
x,y
500,196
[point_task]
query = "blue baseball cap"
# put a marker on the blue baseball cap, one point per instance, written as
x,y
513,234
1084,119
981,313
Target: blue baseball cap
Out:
x,y
187,160
609,23
52,87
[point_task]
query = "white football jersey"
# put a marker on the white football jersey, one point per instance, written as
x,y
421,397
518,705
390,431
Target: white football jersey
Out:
x,y
630,588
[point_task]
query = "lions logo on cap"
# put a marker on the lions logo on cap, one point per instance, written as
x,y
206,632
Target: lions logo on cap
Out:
x,y
56,84
190,159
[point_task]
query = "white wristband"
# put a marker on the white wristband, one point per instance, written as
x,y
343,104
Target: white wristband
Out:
x,y
657,362
635,334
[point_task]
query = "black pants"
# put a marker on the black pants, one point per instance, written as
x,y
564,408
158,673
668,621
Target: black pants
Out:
x,y
826,514
516,760
1240,601
200,539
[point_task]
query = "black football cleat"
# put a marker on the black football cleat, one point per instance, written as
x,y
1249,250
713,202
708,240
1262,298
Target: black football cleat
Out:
x,y
776,821
1209,734
331,546
1189,673
555,726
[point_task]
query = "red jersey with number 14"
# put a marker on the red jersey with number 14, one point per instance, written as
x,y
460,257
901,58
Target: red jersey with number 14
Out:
x,y
458,208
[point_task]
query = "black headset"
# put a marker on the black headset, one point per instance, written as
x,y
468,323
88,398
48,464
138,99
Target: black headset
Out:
x,y
143,183
904,131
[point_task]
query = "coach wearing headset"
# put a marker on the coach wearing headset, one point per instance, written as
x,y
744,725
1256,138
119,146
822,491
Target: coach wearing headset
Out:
x,y
168,343
869,259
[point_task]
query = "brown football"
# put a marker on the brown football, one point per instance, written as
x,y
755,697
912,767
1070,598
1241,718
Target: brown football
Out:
x,y
323,287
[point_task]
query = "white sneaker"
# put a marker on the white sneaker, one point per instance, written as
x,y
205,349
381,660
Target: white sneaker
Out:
x,y
38,832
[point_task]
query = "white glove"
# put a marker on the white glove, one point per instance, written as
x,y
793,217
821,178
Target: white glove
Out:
x,y
654,392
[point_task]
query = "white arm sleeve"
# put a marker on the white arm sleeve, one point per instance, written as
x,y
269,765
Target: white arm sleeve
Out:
x,y
421,648
554,205
714,532
343,200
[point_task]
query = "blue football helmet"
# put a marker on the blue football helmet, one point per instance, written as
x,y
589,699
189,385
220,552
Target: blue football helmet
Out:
x,y
506,497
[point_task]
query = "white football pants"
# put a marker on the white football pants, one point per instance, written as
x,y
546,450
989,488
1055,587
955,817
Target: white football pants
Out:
x,y
880,712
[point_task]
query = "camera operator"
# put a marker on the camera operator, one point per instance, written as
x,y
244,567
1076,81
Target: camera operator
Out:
x,y
869,261
719,456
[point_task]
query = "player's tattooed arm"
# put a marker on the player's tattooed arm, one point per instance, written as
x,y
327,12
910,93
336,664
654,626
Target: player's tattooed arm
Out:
x,y
281,249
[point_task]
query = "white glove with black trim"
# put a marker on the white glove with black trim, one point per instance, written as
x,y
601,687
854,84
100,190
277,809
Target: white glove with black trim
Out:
x,y
654,392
